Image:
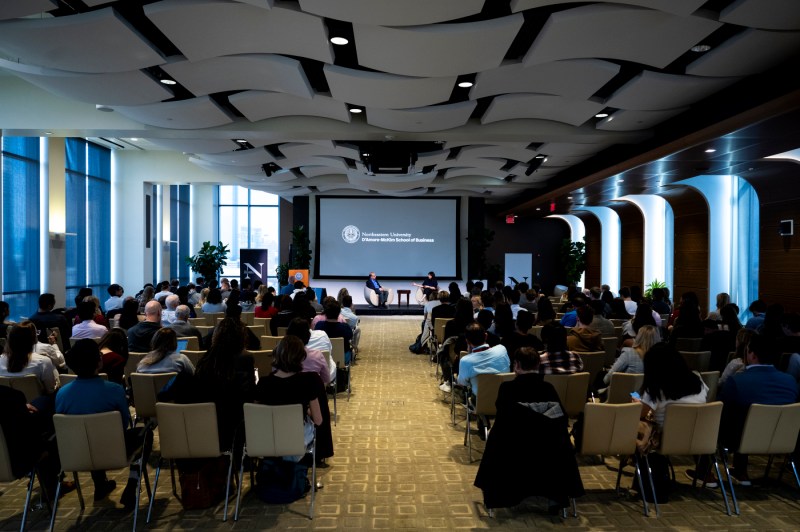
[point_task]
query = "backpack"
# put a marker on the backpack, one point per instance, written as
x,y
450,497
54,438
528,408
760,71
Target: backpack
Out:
x,y
417,348
202,482
280,481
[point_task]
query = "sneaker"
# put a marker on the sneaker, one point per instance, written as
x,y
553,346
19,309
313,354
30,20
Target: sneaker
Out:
x,y
445,387
101,491
739,478
128,499
710,480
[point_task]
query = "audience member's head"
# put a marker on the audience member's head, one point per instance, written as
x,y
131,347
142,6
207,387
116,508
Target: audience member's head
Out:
x,y
722,300
289,355
526,360
86,310
485,318
47,302
172,302
164,342
524,321
82,293
585,315
299,285
20,341
332,311
554,336
116,340
83,358
115,290
182,313
764,349
758,307
233,311
475,334
646,338
625,292
300,328
347,301
152,311
657,294
667,374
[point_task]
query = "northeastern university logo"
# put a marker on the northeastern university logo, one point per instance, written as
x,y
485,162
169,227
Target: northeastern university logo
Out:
x,y
350,234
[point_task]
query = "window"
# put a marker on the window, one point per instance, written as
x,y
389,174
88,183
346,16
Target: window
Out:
x,y
20,223
249,219
88,238
179,232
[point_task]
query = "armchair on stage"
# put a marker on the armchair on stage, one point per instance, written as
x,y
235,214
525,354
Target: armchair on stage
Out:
x,y
372,298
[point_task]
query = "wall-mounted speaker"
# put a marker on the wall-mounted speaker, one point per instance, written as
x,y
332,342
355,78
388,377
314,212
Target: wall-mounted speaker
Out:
x,y
786,228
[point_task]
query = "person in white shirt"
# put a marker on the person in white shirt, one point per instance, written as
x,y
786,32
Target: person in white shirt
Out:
x,y
630,304
51,351
115,301
19,358
164,291
319,340
87,328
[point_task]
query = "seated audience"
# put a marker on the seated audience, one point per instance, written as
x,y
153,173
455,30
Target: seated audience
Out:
x,y
600,323
644,316
722,300
529,416
115,300
480,358
557,359
738,364
130,314
582,337
19,359
214,302
351,319
164,357
49,348
46,318
141,334
758,308
631,359
335,329
266,309
87,328
284,316
181,324
521,337
546,313
486,320
114,355
659,304
168,314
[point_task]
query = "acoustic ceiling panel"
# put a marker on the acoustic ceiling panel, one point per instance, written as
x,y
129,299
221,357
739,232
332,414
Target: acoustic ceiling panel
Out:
x,y
540,106
515,153
437,50
493,165
255,156
295,150
387,91
93,42
676,7
749,52
765,14
451,173
392,12
199,146
438,118
202,29
624,120
264,72
630,34
197,113
656,91
23,8
260,105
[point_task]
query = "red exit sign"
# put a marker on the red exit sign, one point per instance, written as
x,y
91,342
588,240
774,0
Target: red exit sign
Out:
x,y
510,218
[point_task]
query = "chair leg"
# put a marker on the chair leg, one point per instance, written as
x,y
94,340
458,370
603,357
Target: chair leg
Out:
x,y
722,485
622,460
652,485
348,383
155,490
78,489
227,485
55,505
172,477
641,484
574,507
790,458
724,453
241,481
28,499
313,475
138,493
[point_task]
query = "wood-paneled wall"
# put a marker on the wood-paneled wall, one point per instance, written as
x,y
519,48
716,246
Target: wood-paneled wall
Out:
x,y
690,272
779,256
631,246
594,248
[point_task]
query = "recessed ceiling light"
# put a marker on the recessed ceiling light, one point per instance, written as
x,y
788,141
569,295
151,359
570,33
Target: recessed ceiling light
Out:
x,y
355,110
134,139
48,132
538,208
365,155
620,180
701,48
465,84
168,81
240,141
339,41
601,115
569,197
610,118
710,150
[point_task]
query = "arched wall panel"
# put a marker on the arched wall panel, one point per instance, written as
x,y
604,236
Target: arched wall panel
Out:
x,y
631,246
594,248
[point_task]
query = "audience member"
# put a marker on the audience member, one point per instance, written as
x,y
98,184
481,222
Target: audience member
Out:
x,y
164,357
722,300
582,337
115,300
19,359
481,358
335,329
738,364
631,359
758,308
114,355
521,337
181,324
266,309
214,302
140,335
130,314
87,328
557,359
46,318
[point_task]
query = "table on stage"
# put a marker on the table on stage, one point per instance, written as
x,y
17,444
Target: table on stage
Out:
x,y
401,293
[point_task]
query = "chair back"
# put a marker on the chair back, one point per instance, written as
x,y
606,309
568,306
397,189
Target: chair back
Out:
x,y
211,318
262,321
610,429
697,360
204,329
274,430
90,442
711,378
6,474
259,330
688,344
536,330
488,386
617,322
691,429
247,318
592,362
66,378
571,391
618,332
338,352
198,311
133,362
192,342
282,331
770,429
199,320
610,345
270,342
29,385
73,341
438,328
263,362
193,356
188,431
145,391
622,384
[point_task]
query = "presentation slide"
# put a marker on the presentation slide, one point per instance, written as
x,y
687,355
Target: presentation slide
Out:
x,y
396,238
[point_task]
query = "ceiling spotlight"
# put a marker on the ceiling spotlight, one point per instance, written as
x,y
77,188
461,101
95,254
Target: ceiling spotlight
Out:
x,y
569,197
601,115
134,139
465,84
104,108
339,41
700,48
240,141
365,154
50,133
168,81
355,110
538,208
620,180
710,150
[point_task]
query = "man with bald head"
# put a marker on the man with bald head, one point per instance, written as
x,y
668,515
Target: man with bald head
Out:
x,y
139,335
168,314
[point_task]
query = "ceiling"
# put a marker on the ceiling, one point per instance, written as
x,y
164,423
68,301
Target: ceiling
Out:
x,y
264,99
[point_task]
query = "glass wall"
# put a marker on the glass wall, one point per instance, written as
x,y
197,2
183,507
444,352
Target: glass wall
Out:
x,y
21,207
179,232
248,219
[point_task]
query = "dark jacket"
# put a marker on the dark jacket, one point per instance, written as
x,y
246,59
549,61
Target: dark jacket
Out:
x,y
140,335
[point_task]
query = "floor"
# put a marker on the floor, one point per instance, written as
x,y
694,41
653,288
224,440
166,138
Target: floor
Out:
x,y
401,465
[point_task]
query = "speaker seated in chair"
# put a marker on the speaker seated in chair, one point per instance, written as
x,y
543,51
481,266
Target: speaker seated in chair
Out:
x,y
372,298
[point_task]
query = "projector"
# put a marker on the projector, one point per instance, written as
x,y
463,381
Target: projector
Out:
x,y
393,157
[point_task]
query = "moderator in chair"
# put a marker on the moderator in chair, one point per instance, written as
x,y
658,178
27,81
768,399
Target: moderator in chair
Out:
x,y
770,430
275,431
189,431
95,442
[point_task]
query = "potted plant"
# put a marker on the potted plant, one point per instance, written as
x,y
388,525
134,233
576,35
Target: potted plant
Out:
x,y
301,249
282,272
655,283
209,260
573,260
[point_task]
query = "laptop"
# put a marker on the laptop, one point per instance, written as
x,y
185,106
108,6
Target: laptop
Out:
x,y
182,345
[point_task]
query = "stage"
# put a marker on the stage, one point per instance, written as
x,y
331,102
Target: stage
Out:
x,y
390,310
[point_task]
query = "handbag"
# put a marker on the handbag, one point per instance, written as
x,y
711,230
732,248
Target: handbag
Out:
x,y
281,481
648,435
202,482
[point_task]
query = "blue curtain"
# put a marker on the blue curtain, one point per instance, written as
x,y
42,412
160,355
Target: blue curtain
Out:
x,y
76,217
183,233
20,163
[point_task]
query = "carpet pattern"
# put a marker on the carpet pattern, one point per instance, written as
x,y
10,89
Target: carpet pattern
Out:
x,y
400,464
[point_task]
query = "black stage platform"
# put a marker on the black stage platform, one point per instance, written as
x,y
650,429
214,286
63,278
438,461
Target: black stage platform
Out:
x,y
391,310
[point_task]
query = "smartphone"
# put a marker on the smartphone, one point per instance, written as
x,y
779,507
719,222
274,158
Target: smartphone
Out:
x,y
636,395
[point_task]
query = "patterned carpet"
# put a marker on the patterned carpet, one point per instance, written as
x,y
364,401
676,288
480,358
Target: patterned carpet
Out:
x,y
401,464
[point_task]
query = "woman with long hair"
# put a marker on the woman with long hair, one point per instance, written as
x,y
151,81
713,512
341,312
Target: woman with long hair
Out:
x,y
19,359
738,363
266,308
163,356
631,359
214,302
130,314
644,316
667,380
114,354
147,295
546,313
